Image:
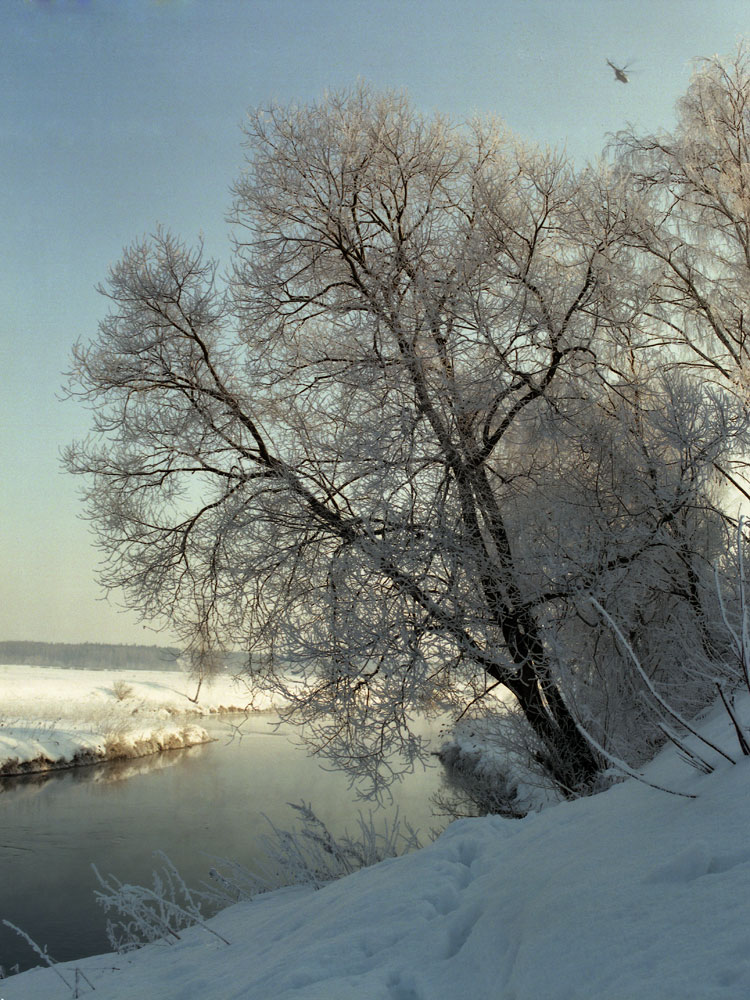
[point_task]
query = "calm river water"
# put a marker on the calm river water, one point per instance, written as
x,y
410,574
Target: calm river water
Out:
x,y
196,805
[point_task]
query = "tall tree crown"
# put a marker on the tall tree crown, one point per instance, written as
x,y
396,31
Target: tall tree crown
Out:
x,y
410,434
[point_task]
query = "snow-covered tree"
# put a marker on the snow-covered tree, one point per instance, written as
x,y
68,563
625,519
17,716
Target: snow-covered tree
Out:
x,y
407,434
695,216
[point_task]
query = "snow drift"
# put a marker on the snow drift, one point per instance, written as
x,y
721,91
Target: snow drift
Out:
x,y
631,893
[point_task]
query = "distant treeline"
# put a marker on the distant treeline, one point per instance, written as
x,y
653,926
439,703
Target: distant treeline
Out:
x,y
92,655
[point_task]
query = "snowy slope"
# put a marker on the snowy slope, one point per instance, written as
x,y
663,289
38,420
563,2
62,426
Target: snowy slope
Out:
x,y
634,894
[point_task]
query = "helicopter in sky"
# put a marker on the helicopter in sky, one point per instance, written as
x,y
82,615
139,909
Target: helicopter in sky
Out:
x,y
620,72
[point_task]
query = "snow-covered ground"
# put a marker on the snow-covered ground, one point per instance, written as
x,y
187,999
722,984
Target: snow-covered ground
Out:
x,y
632,893
54,717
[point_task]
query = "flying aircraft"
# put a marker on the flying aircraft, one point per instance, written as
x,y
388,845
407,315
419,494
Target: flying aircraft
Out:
x,y
619,72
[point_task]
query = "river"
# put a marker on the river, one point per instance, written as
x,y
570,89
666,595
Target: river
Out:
x,y
196,805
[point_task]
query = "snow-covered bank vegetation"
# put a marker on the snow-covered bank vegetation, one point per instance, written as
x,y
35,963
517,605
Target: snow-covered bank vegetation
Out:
x,y
57,717
32,749
630,893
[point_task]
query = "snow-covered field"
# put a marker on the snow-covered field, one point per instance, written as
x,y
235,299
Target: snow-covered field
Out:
x,y
633,894
54,717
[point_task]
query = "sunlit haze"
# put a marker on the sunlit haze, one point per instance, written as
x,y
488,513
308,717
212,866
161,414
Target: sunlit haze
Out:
x,y
119,116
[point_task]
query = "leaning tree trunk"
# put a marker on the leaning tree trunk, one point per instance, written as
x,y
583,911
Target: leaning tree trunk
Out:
x,y
565,753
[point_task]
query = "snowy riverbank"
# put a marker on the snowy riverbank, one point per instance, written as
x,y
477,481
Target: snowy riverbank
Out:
x,y
54,717
631,893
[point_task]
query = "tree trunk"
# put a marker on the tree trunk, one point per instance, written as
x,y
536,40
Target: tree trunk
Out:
x,y
566,754
194,699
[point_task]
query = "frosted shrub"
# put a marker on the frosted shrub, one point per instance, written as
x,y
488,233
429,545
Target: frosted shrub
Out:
x,y
143,915
723,675
311,855
81,984
477,788
121,690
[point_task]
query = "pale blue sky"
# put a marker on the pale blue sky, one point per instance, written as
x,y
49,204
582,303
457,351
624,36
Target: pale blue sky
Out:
x,y
118,114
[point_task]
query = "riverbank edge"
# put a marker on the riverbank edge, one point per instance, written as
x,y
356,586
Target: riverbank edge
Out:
x,y
122,747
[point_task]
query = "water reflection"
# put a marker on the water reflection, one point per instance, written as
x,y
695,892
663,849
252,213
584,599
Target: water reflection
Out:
x,y
100,772
194,804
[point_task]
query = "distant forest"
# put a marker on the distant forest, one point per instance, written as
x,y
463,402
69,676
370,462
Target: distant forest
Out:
x,y
92,655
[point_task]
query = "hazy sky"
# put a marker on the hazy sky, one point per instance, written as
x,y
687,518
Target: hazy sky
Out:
x,y
118,114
